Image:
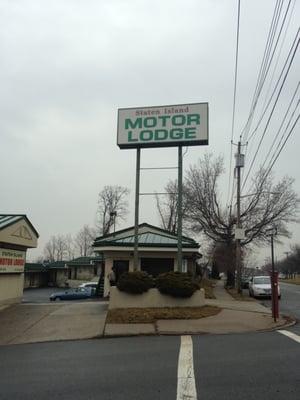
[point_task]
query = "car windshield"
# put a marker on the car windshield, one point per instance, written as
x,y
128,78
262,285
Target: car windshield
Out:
x,y
263,280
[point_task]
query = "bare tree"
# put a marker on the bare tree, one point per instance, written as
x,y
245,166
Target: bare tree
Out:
x,y
112,207
273,204
290,265
167,206
62,247
270,204
50,249
70,247
84,240
56,249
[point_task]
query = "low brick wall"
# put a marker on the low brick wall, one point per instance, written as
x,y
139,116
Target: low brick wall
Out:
x,y
153,299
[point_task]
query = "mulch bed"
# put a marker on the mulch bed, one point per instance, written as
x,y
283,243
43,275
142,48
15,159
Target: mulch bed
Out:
x,y
150,315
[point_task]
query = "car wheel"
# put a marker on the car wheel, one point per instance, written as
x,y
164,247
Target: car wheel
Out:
x,y
250,293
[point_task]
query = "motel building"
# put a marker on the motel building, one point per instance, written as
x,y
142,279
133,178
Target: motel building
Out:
x,y
17,234
157,251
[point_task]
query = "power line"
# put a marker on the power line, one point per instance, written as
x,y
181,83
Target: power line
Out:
x,y
272,111
261,75
266,106
282,123
284,143
266,65
234,94
282,136
280,50
275,88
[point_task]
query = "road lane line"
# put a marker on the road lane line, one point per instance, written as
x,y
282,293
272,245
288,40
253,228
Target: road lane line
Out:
x,y
291,335
186,386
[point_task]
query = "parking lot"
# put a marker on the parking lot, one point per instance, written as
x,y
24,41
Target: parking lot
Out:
x,y
41,295
37,319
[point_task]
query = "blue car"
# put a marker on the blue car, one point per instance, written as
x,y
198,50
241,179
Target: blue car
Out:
x,y
72,294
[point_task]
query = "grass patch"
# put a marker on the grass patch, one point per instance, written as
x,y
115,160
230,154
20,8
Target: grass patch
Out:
x,y
238,296
295,281
208,286
150,315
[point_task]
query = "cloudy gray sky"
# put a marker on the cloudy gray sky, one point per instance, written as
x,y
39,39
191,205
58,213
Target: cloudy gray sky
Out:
x,y
68,65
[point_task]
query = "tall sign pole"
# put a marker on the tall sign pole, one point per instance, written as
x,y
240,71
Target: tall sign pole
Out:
x,y
179,211
136,210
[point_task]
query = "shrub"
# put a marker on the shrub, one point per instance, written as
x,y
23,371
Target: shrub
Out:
x,y
177,284
135,282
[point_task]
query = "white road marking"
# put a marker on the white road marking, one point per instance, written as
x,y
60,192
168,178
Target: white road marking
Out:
x,y
291,335
186,386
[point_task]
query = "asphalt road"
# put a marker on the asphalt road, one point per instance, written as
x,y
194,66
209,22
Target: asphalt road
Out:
x,y
289,303
258,366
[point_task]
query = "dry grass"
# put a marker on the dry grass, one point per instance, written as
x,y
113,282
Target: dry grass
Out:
x,y
150,315
237,296
208,286
295,281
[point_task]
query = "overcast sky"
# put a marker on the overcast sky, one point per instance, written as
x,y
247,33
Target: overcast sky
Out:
x,y
68,65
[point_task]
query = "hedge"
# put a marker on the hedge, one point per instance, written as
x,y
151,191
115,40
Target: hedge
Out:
x,y
136,282
177,284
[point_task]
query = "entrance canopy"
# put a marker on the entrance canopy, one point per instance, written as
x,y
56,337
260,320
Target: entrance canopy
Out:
x,y
150,239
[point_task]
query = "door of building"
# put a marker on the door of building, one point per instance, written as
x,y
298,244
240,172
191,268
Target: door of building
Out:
x,y
120,266
156,266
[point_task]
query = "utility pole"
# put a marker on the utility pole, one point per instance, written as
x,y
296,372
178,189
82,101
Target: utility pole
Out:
x,y
239,164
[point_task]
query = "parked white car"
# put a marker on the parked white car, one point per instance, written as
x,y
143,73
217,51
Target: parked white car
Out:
x,y
89,284
260,286
92,286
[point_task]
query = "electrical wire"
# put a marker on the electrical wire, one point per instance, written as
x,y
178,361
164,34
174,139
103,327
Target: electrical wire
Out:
x,y
268,63
272,111
253,133
261,75
284,143
282,123
234,93
282,136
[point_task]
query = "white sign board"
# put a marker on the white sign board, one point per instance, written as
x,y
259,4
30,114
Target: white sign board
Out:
x,y
239,233
163,126
11,261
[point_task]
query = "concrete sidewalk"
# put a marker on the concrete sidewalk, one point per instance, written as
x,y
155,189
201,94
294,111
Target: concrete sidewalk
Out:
x,y
234,317
29,323
225,301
